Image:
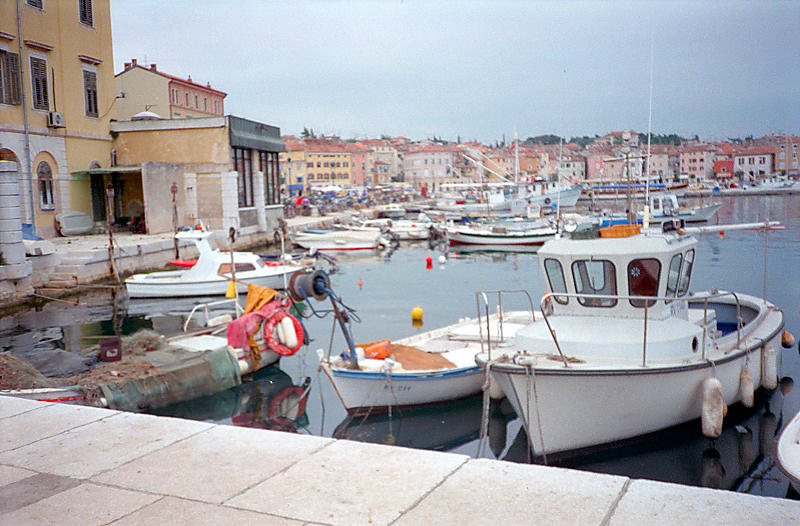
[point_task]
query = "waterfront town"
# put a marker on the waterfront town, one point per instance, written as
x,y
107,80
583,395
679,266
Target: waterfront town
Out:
x,y
110,178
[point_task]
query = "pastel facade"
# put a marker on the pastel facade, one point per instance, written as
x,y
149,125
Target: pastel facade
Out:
x,y
753,163
168,96
430,167
56,102
697,161
787,156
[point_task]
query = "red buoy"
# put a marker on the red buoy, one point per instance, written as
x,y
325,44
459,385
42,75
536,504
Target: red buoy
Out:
x,y
428,262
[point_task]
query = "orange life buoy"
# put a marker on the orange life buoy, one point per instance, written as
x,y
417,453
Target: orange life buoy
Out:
x,y
548,304
276,407
269,338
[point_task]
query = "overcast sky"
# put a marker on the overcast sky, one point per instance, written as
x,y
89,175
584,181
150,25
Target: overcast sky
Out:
x,y
479,69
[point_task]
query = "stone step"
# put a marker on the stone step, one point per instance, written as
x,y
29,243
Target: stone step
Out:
x,y
61,284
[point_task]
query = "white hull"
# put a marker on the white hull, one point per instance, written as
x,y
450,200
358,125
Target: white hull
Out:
x,y
485,237
171,284
695,215
787,452
361,391
344,240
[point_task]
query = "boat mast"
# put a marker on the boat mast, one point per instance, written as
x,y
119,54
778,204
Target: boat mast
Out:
x,y
516,158
646,214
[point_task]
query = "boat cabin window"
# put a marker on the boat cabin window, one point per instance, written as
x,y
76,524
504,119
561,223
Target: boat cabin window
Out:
x,y
555,276
225,268
686,273
672,275
643,279
595,277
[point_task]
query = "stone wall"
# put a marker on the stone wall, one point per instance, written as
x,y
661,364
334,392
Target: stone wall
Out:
x,y
15,272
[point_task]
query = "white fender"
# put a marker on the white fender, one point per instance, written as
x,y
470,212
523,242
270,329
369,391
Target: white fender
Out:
x,y
495,391
278,333
769,367
746,387
713,407
289,334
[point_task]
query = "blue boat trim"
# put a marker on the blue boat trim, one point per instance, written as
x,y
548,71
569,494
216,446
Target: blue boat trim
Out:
x,y
426,375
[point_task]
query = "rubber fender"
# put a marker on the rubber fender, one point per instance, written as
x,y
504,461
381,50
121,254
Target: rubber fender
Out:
x,y
769,367
746,387
713,408
289,335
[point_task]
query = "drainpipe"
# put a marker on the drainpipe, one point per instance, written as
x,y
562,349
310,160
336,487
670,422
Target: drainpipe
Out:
x,y
25,115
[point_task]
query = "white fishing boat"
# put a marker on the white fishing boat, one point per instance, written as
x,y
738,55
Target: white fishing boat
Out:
x,y
665,207
392,211
787,451
620,348
211,274
339,239
507,234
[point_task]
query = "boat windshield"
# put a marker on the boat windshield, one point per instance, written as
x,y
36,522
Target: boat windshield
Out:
x,y
595,277
555,276
686,273
672,275
643,277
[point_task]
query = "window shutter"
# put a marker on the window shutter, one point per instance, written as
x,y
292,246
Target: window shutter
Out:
x,y
41,99
36,3
86,12
90,90
12,89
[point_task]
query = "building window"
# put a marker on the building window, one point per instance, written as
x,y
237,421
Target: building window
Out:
x,y
205,104
45,176
85,9
10,92
196,102
241,163
216,107
36,3
90,92
268,164
187,100
41,100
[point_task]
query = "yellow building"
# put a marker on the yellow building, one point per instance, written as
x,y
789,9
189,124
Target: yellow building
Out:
x,y
170,97
56,99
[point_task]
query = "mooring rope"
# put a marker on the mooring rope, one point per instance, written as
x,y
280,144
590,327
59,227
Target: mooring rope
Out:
x,y
485,409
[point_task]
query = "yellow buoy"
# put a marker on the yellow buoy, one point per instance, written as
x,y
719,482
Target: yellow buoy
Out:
x,y
787,340
231,292
416,313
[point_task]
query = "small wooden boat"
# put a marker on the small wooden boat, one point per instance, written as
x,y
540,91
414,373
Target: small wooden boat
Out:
x,y
490,235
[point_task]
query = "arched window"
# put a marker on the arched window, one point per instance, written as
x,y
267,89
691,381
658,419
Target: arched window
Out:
x,y
45,176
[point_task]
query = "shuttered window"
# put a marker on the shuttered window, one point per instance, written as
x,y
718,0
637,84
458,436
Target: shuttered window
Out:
x,y
10,92
41,100
85,8
90,92
36,3
241,163
45,176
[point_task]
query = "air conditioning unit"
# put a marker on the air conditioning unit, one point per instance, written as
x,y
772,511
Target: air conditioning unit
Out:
x,y
55,119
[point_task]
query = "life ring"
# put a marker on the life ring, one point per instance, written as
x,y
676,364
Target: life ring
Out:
x,y
548,303
269,337
277,409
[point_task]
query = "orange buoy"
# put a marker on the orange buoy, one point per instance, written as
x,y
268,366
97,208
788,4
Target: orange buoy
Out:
x,y
360,283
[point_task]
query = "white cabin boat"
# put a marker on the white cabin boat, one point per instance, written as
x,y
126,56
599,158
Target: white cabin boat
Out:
x,y
621,347
405,229
664,207
211,275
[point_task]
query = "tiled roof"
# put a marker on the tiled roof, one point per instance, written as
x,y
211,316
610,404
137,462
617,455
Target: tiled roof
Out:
x,y
176,79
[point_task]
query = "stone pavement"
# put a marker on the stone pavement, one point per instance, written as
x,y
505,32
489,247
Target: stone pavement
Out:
x,y
74,465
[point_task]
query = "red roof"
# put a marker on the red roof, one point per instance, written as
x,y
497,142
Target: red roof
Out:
x,y
152,69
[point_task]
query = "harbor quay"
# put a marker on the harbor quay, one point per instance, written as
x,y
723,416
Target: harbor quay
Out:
x,y
67,465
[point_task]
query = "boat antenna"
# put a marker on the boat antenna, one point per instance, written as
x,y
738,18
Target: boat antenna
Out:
x,y
646,214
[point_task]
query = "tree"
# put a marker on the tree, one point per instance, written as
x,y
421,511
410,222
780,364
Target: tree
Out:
x,y
543,139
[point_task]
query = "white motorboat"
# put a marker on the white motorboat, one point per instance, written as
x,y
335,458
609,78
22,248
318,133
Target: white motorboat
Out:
x,y
405,229
505,235
211,275
787,451
665,207
339,240
392,211
601,366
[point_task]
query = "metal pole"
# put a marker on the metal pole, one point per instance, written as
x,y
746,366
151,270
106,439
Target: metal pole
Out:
x,y
28,168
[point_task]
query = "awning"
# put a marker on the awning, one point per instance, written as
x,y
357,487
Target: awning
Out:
x,y
81,175
255,135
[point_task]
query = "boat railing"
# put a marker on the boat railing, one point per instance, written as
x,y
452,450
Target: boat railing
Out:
x,y
484,296
206,309
546,304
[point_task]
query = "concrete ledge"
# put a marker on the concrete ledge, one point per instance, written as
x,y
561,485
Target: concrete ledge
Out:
x,y
66,464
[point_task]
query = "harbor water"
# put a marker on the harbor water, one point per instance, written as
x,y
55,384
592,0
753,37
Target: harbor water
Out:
x,y
382,289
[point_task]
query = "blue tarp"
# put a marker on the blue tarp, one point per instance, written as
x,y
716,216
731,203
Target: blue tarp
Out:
x,y
28,232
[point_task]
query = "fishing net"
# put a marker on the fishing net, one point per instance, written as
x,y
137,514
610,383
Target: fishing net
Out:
x,y
19,374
